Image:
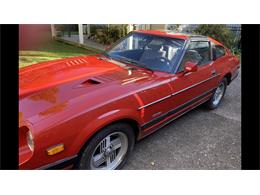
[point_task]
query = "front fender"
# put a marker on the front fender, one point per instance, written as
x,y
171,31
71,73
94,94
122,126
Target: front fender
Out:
x,y
100,122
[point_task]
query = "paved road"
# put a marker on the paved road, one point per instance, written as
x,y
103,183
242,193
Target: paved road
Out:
x,y
200,139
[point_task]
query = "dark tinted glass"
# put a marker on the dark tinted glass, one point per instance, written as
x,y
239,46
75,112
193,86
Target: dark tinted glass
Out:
x,y
218,51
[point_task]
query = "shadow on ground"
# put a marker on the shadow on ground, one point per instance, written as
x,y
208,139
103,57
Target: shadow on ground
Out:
x,y
200,139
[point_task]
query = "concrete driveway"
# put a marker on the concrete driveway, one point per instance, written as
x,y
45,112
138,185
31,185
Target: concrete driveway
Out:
x,y
200,139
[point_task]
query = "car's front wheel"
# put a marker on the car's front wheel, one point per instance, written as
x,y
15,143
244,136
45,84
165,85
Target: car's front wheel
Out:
x,y
108,149
219,93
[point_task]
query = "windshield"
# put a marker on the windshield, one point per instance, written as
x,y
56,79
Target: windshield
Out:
x,y
149,51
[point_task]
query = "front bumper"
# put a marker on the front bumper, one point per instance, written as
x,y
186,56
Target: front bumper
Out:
x,y
61,164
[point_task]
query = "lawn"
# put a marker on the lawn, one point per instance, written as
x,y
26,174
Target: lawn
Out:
x,y
50,51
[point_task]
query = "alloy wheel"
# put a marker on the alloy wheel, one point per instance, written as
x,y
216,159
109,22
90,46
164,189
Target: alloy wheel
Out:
x,y
110,152
218,94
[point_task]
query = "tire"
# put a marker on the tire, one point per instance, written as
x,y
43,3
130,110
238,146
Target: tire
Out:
x,y
100,153
213,102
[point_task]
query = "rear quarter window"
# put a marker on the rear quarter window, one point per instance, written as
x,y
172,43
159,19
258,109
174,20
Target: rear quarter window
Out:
x,y
218,51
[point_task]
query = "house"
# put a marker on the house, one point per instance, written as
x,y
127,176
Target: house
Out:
x,y
32,35
84,30
29,34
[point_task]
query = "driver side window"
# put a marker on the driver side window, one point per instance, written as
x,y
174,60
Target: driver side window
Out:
x,y
198,52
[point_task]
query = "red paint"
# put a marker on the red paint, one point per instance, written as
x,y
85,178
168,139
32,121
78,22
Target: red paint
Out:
x,y
67,101
164,34
141,104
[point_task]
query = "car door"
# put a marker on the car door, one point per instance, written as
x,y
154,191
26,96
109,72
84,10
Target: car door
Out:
x,y
192,87
155,100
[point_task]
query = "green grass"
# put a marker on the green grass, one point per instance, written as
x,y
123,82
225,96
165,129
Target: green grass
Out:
x,y
50,51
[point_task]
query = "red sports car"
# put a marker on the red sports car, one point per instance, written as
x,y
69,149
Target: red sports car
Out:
x,y
87,112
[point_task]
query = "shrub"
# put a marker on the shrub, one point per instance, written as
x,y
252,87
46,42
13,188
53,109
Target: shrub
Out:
x,y
95,27
111,33
173,27
221,33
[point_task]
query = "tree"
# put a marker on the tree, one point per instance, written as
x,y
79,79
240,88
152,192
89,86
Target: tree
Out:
x,y
173,27
218,32
111,33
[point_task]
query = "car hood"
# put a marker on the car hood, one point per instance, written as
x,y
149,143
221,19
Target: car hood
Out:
x,y
48,88
52,73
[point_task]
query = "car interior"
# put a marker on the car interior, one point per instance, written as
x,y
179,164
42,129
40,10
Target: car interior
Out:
x,y
197,55
157,54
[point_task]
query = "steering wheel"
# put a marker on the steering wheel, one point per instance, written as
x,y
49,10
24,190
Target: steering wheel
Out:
x,y
165,60
161,61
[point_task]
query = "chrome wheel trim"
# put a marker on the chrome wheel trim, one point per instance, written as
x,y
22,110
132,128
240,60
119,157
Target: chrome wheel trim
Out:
x,y
110,152
218,94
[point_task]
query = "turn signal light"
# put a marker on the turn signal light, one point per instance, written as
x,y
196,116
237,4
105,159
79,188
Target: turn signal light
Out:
x,y
55,149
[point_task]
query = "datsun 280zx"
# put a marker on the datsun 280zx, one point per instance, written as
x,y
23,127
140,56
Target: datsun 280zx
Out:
x,y
87,112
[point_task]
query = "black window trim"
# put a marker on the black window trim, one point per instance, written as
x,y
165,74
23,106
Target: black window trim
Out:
x,y
184,49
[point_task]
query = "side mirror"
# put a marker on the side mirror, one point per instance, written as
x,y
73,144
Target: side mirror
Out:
x,y
190,67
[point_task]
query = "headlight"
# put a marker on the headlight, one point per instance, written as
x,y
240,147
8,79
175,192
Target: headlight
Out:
x,y
30,140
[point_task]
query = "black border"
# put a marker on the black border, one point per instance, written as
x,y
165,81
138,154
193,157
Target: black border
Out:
x,y
250,97
9,96
0,96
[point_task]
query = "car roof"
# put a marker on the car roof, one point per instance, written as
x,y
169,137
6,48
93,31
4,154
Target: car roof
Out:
x,y
164,33
172,34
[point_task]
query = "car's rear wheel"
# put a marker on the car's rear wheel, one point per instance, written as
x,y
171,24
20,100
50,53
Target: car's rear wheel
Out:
x,y
218,95
108,149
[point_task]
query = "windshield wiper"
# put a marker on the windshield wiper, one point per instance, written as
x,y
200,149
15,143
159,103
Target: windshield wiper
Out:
x,y
106,55
116,59
127,60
